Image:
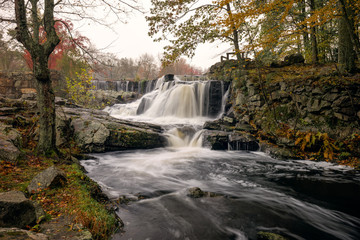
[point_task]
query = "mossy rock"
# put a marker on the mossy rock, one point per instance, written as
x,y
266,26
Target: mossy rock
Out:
x,y
269,236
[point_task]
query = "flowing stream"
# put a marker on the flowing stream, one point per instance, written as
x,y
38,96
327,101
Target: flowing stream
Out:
x,y
252,192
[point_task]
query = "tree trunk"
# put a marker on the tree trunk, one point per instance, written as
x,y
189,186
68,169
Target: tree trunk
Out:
x,y
40,54
46,108
314,47
304,28
346,54
348,22
235,33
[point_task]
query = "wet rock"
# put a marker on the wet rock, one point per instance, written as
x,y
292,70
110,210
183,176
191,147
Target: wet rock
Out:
x,y
195,192
212,125
16,210
269,236
221,140
16,233
169,77
51,177
239,141
215,98
216,140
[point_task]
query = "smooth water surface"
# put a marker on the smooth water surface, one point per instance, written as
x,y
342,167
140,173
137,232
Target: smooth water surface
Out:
x,y
298,199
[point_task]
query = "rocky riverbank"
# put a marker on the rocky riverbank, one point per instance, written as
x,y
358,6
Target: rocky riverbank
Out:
x,y
296,111
77,209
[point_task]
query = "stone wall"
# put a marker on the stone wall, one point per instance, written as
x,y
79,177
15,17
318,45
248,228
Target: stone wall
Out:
x,y
13,85
308,105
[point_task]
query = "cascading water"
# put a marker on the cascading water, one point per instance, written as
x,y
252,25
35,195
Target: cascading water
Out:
x,y
297,199
173,103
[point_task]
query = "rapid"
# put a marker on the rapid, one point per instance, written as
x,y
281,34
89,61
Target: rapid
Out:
x,y
252,192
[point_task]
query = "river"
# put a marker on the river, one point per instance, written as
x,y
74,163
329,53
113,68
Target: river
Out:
x,y
252,192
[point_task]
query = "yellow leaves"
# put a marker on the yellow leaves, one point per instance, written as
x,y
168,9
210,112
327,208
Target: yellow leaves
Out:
x,y
79,87
320,142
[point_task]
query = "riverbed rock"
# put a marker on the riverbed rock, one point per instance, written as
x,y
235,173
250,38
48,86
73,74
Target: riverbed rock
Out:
x,y
51,177
16,233
195,192
96,131
269,236
241,141
222,140
17,210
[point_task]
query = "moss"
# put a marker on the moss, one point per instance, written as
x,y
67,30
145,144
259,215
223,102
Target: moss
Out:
x,y
269,236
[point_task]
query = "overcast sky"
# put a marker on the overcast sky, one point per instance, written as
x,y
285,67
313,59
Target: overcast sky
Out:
x,y
131,40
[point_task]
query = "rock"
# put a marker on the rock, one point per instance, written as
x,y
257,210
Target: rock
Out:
x,y
16,233
195,192
90,135
169,77
239,141
244,127
229,119
8,151
276,64
277,152
288,60
216,140
16,210
317,105
10,140
293,59
221,140
342,116
212,125
96,131
215,98
269,236
51,177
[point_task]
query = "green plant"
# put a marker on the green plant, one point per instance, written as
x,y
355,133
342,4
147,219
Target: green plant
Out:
x,y
79,88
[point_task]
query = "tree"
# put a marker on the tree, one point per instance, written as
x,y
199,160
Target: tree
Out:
x,y
40,52
29,18
10,57
188,23
180,67
348,39
66,51
147,68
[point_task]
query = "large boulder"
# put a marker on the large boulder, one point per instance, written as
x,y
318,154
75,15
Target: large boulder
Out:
x,y
17,210
51,177
96,131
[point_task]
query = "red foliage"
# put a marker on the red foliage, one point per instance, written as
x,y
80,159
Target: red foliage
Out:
x,y
67,43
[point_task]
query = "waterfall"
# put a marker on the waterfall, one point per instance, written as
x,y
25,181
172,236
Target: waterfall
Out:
x,y
175,104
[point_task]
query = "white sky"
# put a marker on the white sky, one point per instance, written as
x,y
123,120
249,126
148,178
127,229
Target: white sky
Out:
x,y
131,40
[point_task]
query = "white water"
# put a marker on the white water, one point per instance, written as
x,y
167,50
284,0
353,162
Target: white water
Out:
x,y
172,104
298,199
